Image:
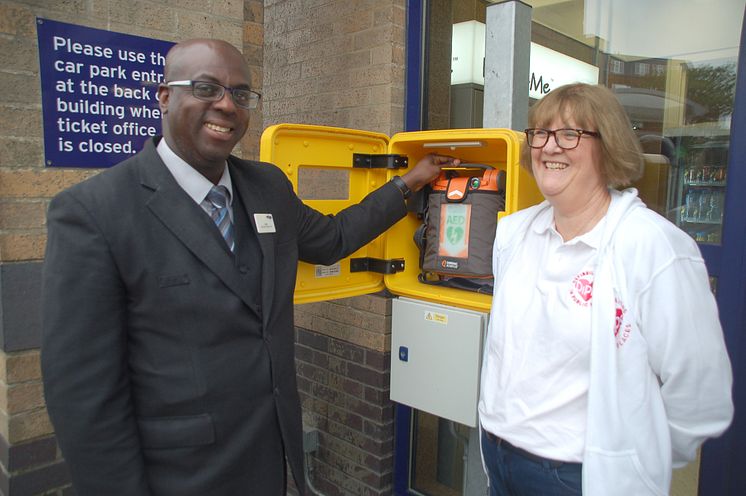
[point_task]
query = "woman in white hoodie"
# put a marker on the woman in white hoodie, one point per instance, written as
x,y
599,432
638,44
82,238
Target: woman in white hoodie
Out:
x,y
605,364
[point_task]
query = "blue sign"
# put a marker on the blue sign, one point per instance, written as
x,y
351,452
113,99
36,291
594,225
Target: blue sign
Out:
x,y
98,93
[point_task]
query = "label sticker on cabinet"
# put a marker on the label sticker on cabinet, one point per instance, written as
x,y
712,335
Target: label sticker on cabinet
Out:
x,y
439,318
328,270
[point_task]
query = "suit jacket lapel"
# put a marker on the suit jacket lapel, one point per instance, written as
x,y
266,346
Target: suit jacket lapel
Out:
x,y
254,202
188,222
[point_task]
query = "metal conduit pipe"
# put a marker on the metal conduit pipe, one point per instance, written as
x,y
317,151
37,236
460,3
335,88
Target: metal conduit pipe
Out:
x,y
310,446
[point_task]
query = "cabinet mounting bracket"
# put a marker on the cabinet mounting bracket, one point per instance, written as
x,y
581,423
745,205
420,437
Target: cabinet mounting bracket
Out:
x,y
371,161
376,265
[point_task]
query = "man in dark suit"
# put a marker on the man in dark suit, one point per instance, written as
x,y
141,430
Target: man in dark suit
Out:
x,y
167,347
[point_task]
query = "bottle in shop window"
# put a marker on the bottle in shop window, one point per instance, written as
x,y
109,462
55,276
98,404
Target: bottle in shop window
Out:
x,y
704,202
715,212
692,205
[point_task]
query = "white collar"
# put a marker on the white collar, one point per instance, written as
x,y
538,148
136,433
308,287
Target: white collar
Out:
x,y
192,182
544,223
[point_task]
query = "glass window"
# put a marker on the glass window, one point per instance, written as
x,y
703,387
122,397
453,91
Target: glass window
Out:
x,y
437,455
642,69
679,94
677,85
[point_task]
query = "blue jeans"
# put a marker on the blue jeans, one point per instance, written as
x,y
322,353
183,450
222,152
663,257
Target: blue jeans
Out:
x,y
514,472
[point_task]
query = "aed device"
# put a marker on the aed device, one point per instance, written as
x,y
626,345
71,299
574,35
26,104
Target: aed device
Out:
x,y
458,228
436,330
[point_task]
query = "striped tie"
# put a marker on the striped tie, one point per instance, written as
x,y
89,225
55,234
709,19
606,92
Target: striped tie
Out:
x,y
218,202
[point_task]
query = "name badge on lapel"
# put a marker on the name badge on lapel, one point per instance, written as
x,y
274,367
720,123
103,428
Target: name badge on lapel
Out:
x,y
264,223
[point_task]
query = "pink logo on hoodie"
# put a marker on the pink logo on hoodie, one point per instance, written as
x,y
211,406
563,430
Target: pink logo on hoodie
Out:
x,y
622,331
581,291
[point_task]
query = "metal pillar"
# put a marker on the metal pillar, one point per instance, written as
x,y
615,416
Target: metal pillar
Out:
x,y
506,65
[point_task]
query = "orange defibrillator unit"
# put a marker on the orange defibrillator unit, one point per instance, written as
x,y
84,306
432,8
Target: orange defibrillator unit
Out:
x,y
458,229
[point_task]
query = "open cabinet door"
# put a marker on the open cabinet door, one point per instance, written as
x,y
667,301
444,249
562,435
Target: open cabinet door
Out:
x,y
331,168
495,148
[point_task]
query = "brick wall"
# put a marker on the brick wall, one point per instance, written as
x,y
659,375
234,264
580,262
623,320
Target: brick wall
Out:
x,y
29,459
253,50
343,353
341,63
335,62
28,452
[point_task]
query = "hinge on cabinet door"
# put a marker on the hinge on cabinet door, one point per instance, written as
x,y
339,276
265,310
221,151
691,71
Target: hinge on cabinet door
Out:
x,y
376,265
371,161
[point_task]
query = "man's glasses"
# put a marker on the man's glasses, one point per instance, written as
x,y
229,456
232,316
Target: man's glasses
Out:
x,y
213,92
566,138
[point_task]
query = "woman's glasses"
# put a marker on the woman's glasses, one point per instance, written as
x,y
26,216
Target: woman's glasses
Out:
x,y
566,138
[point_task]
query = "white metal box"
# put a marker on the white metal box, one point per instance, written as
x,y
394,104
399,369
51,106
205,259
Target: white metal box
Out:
x,y
436,354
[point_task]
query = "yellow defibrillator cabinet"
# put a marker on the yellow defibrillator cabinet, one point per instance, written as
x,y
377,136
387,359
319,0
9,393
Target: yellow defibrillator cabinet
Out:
x,y
320,161
437,332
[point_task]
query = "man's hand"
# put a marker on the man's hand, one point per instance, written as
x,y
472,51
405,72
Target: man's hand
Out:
x,y
428,169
